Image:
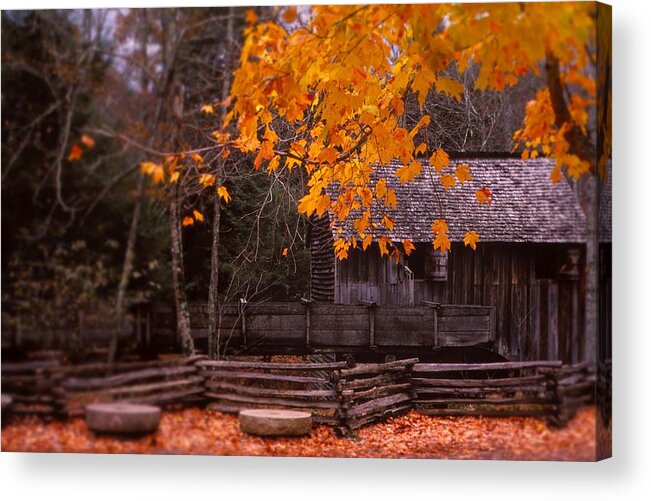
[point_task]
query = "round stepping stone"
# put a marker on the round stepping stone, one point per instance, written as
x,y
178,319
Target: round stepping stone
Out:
x,y
272,422
6,402
122,418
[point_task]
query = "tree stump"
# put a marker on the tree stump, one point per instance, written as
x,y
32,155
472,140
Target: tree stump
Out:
x,y
122,418
272,422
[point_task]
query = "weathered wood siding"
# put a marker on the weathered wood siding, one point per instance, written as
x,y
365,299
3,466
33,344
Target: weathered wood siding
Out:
x,y
539,310
306,327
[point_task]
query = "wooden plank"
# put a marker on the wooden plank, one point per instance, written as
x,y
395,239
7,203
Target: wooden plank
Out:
x,y
348,337
463,338
464,323
451,310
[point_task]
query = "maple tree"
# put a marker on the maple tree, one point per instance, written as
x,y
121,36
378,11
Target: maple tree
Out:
x,y
324,89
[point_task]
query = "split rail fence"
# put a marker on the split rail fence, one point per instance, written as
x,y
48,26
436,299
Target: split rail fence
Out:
x,y
344,395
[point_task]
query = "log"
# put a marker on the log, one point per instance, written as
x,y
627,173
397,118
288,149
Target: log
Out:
x,y
262,376
227,364
74,384
144,388
129,366
269,392
473,383
122,418
377,391
483,389
233,397
366,369
487,413
376,405
361,384
42,365
484,367
166,398
270,422
488,401
353,424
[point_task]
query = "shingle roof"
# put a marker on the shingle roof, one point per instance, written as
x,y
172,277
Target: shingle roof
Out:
x,y
526,206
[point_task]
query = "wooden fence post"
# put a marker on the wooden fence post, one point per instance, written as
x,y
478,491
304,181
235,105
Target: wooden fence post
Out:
x,y
242,313
308,321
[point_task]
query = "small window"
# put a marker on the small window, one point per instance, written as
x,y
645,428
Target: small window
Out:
x,y
416,260
428,264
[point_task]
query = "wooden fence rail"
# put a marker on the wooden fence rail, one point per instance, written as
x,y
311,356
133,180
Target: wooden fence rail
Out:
x,y
344,395
538,388
303,328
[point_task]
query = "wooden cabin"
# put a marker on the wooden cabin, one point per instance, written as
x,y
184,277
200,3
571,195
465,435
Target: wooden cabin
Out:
x,y
529,263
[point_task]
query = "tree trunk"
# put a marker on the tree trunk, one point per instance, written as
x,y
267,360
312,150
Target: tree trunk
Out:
x,y
127,268
582,146
214,324
178,277
129,254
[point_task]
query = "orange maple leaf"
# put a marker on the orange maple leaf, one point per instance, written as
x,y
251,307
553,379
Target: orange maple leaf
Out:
x,y
88,141
471,239
408,246
187,221
447,180
484,196
439,159
463,173
75,153
198,215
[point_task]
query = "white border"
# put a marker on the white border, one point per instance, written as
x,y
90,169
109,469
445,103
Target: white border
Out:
x,y
628,475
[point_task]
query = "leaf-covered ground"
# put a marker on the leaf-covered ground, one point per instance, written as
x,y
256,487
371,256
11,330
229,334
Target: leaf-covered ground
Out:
x,y
194,431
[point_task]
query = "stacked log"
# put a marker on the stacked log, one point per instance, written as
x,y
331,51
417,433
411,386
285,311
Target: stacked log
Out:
x,y
573,386
34,387
232,386
162,383
492,389
372,392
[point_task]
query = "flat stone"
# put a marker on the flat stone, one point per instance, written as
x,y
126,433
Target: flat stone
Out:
x,y
272,422
122,418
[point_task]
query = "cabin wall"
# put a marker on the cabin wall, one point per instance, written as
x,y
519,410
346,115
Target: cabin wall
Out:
x,y
539,297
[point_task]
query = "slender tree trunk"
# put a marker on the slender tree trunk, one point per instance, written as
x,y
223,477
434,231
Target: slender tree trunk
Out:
x,y
178,277
214,323
130,254
127,267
